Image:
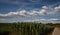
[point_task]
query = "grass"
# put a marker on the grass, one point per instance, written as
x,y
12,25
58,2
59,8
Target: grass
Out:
x,y
27,28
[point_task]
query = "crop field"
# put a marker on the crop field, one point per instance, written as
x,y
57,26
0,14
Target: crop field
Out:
x,y
26,28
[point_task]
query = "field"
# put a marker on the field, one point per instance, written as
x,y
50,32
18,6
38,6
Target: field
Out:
x,y
27,28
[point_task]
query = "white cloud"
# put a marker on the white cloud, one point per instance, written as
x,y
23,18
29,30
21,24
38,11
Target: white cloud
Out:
x,y
54,19
56,10
42,12
8,14
51,20
2,20
45,7
22,12
25,13
32,13
46,10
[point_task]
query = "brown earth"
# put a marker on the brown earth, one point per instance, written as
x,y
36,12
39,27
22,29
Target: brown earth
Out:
x,y
56,31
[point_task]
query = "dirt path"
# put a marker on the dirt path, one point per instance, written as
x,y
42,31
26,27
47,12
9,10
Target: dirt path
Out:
x,y
56,31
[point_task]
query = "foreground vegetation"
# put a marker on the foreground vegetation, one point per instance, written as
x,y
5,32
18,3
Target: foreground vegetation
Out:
x,y
26,28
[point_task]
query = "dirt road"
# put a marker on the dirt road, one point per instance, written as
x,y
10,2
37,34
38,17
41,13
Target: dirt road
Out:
x,y
56,31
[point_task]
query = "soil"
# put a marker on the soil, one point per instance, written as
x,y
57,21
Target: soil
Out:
x,y
56,31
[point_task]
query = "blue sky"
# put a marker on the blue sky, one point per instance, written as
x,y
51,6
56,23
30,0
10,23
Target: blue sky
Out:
x,y
30,10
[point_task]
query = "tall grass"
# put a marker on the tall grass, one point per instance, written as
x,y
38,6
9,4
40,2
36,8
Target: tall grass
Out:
x,y
26,28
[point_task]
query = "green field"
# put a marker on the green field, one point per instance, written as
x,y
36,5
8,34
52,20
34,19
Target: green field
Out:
x,y
26,28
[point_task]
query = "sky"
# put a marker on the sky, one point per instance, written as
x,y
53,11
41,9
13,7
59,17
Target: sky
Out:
x,y
45,11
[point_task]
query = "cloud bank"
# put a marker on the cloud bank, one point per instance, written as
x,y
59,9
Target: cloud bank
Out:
x,y
44,11
29,15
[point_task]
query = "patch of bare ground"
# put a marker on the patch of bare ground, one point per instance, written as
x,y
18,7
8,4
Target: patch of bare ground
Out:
x,y
56,31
